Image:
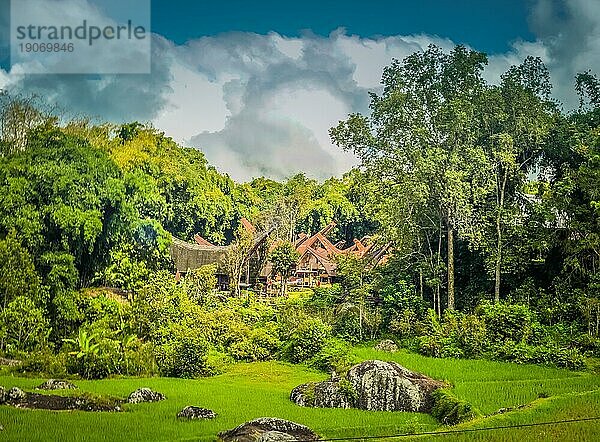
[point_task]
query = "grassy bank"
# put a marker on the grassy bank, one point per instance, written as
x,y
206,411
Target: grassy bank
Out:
x,y
262,389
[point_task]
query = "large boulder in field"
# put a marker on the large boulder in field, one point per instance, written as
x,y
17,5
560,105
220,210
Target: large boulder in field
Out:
x,y
268,429
192,412
11,396
326,394
145,395
15,394
57,384
371,385
9,362
387,345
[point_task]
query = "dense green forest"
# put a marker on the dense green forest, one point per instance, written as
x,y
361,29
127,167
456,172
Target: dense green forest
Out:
x,y
488,195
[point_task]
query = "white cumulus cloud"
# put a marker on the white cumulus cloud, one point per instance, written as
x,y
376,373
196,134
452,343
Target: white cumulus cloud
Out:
x,y
262,104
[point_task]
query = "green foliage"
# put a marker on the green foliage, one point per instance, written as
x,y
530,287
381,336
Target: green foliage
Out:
x,y
184,354
324,297
506,321
236,258
260,344
347,389
485,334
86,359
60,280
347,322
539,354
402,308
308,338
217,362
131,264
200,283
333,356
44,363
23,326
283,258
450,410
18,276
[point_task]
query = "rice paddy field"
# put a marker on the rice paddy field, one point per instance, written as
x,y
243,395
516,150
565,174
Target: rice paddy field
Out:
x,y
254,390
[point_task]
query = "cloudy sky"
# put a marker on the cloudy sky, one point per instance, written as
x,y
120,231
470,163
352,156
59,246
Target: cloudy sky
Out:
x,y
255,85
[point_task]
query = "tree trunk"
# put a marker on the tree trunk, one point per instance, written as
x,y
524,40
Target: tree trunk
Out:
x,y
498,263
450,266
421,283
437,271
360,321
502,192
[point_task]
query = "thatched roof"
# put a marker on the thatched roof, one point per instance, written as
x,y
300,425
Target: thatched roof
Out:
x,y
189,256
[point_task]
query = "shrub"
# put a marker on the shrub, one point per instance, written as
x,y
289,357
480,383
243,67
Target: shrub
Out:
x,y
347,389
569,358
261,344
307,340
23,326
430,346
587,344
217,362
137,357
346,323
464,335
44,362
522,353
450,410
65,314
504,322
199,283
334,356
85,359
106,312
458,336
450,348
183,356
398,300
326,296
403,324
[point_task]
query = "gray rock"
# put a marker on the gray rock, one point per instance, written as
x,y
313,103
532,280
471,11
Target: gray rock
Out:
x,y
268,429
3,395
16,394
10,362
371,385
326,394
145,395
387,345
191,412
57,384
275,436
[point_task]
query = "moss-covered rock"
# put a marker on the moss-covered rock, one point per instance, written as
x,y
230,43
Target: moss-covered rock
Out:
x,y
268,429
371,385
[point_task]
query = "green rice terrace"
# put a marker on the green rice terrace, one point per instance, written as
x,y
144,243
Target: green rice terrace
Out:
x,y
250,390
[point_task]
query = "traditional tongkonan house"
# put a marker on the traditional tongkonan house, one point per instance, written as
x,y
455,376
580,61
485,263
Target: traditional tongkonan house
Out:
x,y
191,256
318,258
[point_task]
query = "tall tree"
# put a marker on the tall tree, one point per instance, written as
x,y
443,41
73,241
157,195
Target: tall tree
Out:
x,y
284,258
516,118
236,257
19,115
420,134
